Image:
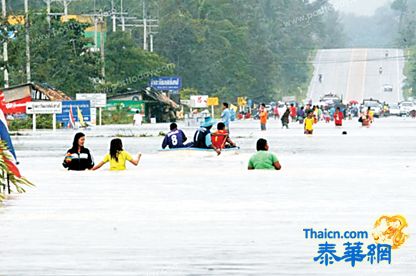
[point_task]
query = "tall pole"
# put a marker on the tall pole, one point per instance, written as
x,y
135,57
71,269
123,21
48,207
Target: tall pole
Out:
x,y
102,47
144,26
65,8
151,43
95,33
5,52
123,22
48,11
113,16
28,73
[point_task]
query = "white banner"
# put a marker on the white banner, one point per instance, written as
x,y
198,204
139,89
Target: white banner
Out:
x,y
199,101
44,107
96,99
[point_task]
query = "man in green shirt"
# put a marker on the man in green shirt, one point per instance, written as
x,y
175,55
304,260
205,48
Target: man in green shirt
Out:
x,y
263,160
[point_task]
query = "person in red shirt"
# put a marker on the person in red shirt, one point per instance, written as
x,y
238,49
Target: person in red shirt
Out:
x,y
220,138
338,117
293,112
276,112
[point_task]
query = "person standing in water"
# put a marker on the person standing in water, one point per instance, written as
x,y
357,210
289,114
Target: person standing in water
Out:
x,y
285,118
338,117
263,117
118,157
226,116
309,122
78,158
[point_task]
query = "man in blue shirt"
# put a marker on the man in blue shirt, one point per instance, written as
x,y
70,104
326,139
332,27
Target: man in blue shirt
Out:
x,y
202,137
226,116
175,138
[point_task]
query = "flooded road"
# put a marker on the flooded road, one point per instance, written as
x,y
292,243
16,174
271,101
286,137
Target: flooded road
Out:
x,y
199,214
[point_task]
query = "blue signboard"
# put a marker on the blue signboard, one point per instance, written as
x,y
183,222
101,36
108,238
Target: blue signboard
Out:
x,y
83,106
166,83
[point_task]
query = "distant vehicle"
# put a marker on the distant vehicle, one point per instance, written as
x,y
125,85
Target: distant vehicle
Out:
x,y
394,110
331,100
387,88
330,97
374,105
406,107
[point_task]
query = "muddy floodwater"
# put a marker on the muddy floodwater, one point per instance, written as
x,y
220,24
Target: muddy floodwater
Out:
x,y
199,214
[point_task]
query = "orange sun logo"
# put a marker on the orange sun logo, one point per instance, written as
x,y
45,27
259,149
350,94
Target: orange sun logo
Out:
x,y
390,230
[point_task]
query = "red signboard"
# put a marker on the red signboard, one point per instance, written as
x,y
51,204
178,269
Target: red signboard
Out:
x,y
18,106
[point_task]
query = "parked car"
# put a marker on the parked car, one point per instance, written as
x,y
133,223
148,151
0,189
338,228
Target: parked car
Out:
x,y
394,110
405,108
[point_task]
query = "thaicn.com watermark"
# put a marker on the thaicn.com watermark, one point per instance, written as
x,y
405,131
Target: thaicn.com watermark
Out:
x,y
306,18
354,247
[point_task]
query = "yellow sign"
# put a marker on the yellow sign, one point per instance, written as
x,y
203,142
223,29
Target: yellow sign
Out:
x,y
214,101
16,19
241,101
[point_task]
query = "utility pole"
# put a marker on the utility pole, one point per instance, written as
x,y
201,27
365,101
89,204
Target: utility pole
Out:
x,y
151,42
28,73
5,52
65,7
113,16
123,22
102,47
48,11
144,26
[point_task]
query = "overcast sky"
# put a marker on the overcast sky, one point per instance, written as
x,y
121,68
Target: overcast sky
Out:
x,y
359,7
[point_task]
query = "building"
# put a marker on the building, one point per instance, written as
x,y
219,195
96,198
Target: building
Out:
x,y
13,99
156,104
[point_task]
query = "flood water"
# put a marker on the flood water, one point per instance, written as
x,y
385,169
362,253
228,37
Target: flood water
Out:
x,y
199,214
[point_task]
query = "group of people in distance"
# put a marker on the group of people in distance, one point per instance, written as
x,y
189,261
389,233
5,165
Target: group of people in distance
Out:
x,y
308,116
79,158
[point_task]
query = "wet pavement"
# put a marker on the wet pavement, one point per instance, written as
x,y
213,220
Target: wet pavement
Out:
x,y
191,214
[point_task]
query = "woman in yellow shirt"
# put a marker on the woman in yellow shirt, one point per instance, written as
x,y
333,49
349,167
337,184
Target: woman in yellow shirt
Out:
x,y
118,157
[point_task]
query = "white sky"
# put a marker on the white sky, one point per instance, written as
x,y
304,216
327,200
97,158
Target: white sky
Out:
x,y
359,7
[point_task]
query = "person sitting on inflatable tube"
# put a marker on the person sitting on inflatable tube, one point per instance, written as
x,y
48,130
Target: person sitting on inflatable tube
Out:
x,y
202,137
221,139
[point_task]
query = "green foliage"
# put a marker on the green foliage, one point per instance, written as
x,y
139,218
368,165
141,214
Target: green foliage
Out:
x,y
119,116
186,93
229,48
377,31
43,121
128,66
258,49
407,40
17,183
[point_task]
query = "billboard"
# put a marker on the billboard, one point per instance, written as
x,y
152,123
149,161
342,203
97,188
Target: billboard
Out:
x,y
166,83
96,99
44,108
15,107
130,106
83,106
199,101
